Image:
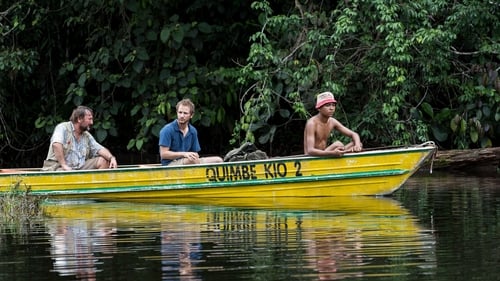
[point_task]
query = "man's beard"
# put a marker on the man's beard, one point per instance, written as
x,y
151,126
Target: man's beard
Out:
x,y
182,121
83,128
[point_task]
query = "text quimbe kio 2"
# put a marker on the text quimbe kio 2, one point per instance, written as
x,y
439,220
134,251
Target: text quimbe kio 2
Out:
x,y
249,171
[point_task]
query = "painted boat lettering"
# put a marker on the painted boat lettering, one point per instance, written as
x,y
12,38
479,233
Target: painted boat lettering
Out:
x,y
297,166
231,173
275,170
272,170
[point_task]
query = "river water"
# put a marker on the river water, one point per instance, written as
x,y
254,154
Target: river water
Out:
x,y
436,227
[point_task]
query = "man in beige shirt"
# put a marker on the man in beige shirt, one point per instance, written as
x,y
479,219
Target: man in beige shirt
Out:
x,y
72,147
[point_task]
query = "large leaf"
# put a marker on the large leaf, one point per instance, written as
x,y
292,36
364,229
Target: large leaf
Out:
x,y
454,122
486,142
427,108
165,34
463,126
101,135
474,135
178,35
439,133
486,111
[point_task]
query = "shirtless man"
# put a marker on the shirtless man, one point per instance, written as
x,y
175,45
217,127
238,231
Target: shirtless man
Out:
x,y
319,127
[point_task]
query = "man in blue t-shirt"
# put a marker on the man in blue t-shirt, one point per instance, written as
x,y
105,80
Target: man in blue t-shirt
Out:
x,y
179,139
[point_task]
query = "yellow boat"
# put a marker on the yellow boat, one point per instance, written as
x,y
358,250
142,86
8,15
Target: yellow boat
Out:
x,y
371,172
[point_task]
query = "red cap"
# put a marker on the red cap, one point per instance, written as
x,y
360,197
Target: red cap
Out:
x,y
324,98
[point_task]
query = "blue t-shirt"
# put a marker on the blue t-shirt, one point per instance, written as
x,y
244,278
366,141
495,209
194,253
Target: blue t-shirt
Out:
x,y
172,137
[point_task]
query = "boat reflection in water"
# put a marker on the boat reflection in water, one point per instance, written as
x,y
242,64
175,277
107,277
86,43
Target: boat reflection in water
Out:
x,y
307,238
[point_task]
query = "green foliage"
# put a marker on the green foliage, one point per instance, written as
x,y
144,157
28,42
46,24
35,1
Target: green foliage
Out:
x,y
130,61
384,59
402,71
471,87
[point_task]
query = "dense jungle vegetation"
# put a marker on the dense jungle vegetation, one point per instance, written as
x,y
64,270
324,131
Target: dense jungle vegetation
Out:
x,y
403,71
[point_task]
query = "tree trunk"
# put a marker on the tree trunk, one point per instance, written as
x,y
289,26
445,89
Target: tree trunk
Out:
x,y
482,160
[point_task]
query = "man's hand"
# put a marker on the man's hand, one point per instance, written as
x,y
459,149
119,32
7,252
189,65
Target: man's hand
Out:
x,y
191,156
66,167
339,151
357,148
112,162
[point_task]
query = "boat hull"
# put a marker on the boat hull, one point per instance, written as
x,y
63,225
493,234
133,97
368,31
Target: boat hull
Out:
x,y
377,172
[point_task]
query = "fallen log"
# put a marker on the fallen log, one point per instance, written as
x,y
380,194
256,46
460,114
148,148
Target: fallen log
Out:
x,y
481,160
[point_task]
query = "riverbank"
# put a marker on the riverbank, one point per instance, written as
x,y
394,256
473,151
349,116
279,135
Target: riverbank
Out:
x,y
19,209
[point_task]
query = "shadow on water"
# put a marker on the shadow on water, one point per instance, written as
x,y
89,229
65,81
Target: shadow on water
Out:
x,y
292,239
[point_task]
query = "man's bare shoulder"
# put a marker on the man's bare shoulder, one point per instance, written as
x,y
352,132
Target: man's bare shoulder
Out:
x,y
334,122
310,120
317,120
312,123
314,119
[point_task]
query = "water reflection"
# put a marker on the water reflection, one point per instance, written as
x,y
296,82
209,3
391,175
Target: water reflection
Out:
x,y
463,212
74,244
306,239
180,254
